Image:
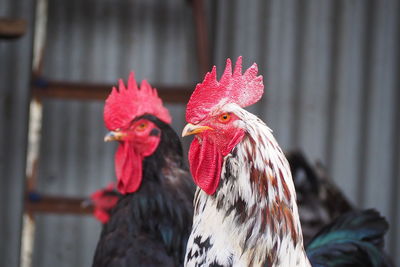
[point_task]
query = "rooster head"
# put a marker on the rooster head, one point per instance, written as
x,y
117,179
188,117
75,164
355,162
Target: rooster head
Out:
x,y
125,113
213,115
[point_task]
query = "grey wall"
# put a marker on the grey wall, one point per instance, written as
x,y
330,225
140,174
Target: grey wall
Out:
x,y
331,71
100,41
15,69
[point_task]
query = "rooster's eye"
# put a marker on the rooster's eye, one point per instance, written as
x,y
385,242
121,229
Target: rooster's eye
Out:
x,y
141,127
224,118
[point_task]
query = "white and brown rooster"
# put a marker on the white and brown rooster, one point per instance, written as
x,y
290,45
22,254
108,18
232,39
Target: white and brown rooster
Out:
x,y
245,211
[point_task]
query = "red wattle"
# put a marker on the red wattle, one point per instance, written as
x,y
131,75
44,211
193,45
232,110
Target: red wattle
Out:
x,y
128,168
206,159
205,164
101,215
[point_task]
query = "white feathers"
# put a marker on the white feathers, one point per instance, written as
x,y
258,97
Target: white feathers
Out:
x,y
240,220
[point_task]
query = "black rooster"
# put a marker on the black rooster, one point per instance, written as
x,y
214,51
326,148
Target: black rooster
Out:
x,y
319,199
151,222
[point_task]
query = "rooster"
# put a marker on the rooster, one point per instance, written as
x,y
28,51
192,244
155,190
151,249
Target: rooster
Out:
x,y
103,201
245,210
150,224
319,200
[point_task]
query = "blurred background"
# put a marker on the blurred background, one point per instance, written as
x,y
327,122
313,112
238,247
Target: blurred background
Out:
x,y
332,90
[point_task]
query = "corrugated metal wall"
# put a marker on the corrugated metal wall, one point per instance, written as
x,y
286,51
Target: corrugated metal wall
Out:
x,y
331,71
15,66
100,41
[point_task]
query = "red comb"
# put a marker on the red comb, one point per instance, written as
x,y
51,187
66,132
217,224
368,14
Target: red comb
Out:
x,y
123,105
243,90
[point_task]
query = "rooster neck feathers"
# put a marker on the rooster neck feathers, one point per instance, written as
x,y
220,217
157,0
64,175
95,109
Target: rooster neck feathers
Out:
x,y
169,152
252,218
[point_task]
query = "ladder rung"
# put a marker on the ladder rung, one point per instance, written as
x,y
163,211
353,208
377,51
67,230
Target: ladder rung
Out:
x,y
12,28
69,90
36,203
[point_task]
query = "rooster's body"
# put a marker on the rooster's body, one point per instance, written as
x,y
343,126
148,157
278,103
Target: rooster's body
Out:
x,y
252,218
245,211
151,222
318,198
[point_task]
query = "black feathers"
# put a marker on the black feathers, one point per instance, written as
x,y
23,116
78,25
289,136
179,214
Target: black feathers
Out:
x,y
318,198
151,226
353,239
202,247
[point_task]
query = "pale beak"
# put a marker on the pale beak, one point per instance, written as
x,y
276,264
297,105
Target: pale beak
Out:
x,y
194,129
114,136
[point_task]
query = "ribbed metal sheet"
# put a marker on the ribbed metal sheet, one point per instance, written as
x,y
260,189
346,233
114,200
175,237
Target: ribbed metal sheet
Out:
x,y
15,65
332,90
331,71
100,41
